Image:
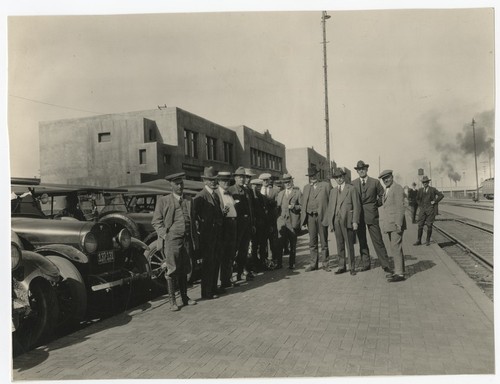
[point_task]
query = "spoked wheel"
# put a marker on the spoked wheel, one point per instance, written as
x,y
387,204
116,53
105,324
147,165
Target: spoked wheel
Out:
x,y
158,263
140,289
39,324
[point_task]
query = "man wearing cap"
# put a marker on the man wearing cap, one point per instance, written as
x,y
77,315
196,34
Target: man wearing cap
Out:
x,y
314,204
208,220
412,201
172,220
427,200
259,238
227,245
245,222
371,192
343,215
270,230
393,222
288,222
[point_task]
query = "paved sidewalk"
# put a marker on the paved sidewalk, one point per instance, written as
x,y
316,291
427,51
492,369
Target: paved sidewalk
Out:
x,y
292,324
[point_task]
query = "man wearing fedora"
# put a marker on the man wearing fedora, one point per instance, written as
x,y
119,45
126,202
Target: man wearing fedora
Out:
x,y
393,222
412,201
427,200
343,215
258,238
314,204
227,245
208,220
288,221
245,222
270,231
371,192
172,221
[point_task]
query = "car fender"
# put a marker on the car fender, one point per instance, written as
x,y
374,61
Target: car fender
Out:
x,y
67,251
122,220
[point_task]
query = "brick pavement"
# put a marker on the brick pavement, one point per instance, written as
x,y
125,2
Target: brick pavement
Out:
x,y
292,324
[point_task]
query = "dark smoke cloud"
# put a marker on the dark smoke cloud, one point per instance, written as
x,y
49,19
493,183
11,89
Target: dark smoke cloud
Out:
x,y
455,153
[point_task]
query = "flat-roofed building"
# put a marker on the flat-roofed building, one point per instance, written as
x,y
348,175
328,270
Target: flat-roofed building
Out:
x,y
298,160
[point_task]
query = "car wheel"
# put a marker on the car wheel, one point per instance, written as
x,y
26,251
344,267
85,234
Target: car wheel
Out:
x,y
40,323
72,293
141,288
158,264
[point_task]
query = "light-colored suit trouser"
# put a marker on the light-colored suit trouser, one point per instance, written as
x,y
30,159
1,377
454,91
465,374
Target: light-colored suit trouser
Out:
x,y
396,244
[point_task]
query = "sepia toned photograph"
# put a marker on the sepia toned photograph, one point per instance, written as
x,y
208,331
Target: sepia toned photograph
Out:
x,y
298,194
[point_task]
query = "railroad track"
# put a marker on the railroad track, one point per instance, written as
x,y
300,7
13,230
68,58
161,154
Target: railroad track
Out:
x,y
470,245
469,205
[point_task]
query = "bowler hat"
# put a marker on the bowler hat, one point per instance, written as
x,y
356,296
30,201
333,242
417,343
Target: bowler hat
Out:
x,y
425,179
338,172
175,176
287,177
240,171
209,173
224,175
387,172
311,171
361,164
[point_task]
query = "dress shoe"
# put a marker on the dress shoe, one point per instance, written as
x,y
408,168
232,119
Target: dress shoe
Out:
x,y
250,274
352,272
210,297
174,307
310,268
418,242
389,270
340,270
389,275
395,278
363,269
188,301
428,242
291,266
221,290
326,268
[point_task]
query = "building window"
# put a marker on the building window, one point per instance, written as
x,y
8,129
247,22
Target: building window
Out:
x,y
151,134
142,156
190,144
228,152
104,137
211,148
166,158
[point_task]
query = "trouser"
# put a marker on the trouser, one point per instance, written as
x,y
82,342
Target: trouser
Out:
x,y
210,262
413,213
344,235
287,234
259,247
426,218
244,229
227,250
396,243
316,229
378,244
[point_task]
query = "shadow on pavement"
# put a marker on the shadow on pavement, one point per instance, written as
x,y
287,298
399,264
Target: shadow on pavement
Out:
x,y
420,266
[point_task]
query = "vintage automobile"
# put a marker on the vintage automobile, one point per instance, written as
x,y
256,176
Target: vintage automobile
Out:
x,y
35,309
97,260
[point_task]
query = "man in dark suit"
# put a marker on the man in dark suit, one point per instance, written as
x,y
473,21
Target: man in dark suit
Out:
x,y
370,192
245,222
270,231
314,204
173,224
427,200
208,219
393,222
259,238
412,202
227,245
343,215
288,221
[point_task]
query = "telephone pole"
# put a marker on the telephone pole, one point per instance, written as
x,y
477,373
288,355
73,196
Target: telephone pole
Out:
x,y
475,156
325,17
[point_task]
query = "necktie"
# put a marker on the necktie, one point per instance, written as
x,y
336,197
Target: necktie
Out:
x,y
363,181
216,198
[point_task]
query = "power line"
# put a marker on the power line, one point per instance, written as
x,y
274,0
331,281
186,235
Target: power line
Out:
x,y
56,105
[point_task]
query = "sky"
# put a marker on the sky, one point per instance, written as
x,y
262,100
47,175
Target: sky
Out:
x,y
403,85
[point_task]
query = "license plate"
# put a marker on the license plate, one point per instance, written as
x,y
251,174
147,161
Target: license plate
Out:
x,y
105,257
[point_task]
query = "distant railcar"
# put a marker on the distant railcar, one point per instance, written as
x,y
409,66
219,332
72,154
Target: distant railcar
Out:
x,y
488,188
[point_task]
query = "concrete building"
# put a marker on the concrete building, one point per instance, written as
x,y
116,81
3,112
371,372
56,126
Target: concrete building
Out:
x,y
298,160
134,147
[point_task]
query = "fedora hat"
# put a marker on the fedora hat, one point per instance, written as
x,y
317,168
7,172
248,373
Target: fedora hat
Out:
x,y
256,182
287,177
361,164
385,173
224,175
175,176
425,179
209,173
338,172
240,171
311,171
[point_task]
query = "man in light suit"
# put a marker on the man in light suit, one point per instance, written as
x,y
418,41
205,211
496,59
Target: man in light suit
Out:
x,y
393,222
427,201
208,220
371,192
173,224
288,221
343,215
314,204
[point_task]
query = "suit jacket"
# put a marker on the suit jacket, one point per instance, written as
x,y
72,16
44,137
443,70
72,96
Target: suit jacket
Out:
x,y
207,213
424,199
165,222
392,211
346,205
412,197
322,193
371,198
289,216
243,202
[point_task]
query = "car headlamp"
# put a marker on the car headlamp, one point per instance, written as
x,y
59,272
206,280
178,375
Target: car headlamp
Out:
x,y
16,255
89,243
124,238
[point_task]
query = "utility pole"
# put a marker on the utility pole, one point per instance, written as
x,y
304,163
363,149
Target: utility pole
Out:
x,y
430,172
325,17
475,156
